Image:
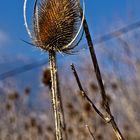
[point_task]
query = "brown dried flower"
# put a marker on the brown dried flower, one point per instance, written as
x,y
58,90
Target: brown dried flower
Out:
x,y
13,96
56,24
27,91
46,79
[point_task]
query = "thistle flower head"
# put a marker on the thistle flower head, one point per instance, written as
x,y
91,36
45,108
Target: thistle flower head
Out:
x,y
56,24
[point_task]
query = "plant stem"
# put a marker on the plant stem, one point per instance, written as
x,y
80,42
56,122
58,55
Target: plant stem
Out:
x,y
99,79
62,115
91,134
55,95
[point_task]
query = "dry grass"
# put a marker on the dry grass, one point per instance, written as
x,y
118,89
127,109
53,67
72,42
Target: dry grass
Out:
x,y
19,122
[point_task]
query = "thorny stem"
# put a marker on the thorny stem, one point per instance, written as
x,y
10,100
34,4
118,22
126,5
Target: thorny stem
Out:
x,y
99,79
55,95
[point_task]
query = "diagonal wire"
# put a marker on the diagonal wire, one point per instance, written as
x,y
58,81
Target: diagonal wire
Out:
x,y
22,69
117,33
99,40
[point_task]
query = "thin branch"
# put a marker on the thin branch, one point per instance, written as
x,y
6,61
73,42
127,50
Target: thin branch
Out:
x,y
95,64
99,79
91,134
107,119
83,93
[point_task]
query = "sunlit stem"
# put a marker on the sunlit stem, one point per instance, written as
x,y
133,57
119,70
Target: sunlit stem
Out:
x,y
55,95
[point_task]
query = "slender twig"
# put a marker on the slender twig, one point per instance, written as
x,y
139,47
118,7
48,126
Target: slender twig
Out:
x,y
83,94
55,95
99,79
109,118
91,134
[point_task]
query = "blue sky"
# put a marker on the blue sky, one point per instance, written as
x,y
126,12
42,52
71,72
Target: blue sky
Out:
x,y
103,16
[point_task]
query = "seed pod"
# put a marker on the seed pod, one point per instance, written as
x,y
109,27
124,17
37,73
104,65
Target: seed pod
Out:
x,y
56,24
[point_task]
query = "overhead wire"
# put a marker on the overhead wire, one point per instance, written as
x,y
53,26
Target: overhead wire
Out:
x,y
99,40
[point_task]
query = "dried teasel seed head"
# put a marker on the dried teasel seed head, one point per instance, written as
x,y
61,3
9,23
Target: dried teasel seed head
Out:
x,y
33,122
13,96
56,24
46,79
8,106
49,128
70,130
27,91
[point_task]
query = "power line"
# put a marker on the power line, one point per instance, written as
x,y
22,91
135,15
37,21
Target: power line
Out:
x,y
22,69
117,33
101,39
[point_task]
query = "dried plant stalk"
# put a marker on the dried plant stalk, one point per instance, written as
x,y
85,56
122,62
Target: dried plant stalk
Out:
x,y
84,95
99,80
108,118
62,115
55,95
91,134
56,26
